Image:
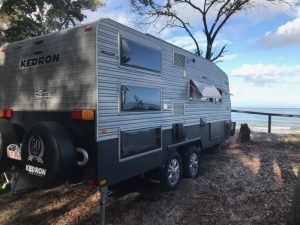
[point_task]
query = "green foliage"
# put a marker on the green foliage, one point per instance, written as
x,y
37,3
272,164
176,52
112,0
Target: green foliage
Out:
x,y
20,19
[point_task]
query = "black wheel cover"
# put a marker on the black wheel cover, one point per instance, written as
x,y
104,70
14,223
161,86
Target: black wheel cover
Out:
x,y
8,136
48,154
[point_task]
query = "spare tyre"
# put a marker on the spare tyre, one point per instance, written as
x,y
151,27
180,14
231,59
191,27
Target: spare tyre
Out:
x,y
8,136
48,154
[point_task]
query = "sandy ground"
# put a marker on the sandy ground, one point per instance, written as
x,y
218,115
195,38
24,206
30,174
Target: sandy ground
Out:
x,y
243,184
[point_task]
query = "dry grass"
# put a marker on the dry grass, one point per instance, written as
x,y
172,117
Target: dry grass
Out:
x,y
251,183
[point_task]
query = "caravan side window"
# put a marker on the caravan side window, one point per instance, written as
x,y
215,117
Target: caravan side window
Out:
x,y
136,99
139,141
139,56
204,92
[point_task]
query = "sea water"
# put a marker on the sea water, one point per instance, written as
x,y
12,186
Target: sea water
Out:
x,y
280,124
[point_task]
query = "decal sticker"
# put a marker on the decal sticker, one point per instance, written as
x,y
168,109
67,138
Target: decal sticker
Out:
x,y
36,170
36,149
41,94
14,152
39,61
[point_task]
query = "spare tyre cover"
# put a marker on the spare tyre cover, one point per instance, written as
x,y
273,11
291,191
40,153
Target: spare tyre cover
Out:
x,y
48,154
8,136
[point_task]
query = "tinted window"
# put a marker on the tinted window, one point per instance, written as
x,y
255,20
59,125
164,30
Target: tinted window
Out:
x,y
194,91
135,55
140,141
140,98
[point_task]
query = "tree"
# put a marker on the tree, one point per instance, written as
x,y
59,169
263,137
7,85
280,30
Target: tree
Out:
x,y
20,19
214,14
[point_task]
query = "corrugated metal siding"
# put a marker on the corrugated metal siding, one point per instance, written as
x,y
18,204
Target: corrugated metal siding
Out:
x,y
173,80
70,83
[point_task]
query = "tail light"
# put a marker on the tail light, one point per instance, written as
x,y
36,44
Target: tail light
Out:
x,y
6,113
83,114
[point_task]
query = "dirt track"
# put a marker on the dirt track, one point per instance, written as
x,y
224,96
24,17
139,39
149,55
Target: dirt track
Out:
x,y
244,184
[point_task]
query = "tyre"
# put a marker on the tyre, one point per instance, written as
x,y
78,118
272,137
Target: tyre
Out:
x,y
48,154
8,136
171,174
191,162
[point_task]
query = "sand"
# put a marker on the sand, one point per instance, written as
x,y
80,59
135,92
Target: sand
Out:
x,y
249,183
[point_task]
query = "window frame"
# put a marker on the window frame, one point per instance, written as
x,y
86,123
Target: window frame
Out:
x,y
143,153
137,68
138,112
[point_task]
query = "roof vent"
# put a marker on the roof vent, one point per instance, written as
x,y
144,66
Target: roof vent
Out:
x,y
179,60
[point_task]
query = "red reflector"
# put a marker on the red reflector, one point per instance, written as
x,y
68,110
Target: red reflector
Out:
x,y
8,113
91,182
105,131
39,42
88,29
76,114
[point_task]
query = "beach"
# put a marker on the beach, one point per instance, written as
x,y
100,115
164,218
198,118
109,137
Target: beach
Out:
x,y
259,123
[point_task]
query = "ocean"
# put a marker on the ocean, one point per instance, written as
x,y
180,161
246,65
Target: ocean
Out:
x,y
284,125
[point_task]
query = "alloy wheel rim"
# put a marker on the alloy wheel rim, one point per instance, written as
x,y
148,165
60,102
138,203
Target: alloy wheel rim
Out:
x,y
193,164
173,171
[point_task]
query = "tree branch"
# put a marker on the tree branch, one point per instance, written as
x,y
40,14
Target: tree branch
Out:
x,y
220,54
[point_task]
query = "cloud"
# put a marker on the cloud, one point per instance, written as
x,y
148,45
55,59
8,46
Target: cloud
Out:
x,y
256,12
187,43
114,10
228,57
262,74
285,35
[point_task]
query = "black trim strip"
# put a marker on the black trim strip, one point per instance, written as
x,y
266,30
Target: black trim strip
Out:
x,y
184,142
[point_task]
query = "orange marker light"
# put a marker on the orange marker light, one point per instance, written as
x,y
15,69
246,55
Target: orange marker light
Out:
x,y
88,114
2,113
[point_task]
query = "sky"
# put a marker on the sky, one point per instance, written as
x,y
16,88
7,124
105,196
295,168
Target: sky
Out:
x,y
263,48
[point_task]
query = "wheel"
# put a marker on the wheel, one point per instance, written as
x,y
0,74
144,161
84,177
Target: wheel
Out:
x,y
48,154
171,174
191,162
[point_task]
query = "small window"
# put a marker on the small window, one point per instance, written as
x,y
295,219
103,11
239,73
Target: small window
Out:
x,y
139,56
135,99
179,60
140,141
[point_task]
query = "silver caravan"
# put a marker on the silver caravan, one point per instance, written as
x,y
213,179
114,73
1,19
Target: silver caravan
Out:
x,y
103,103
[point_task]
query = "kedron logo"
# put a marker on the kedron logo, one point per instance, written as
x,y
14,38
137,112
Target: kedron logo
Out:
x,y
39,61
36,149
36,170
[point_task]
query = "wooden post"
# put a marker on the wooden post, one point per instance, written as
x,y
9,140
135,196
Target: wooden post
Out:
x,y
269,123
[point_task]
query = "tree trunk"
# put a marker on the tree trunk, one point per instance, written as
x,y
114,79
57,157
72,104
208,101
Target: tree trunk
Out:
x,y
209,49
244,135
